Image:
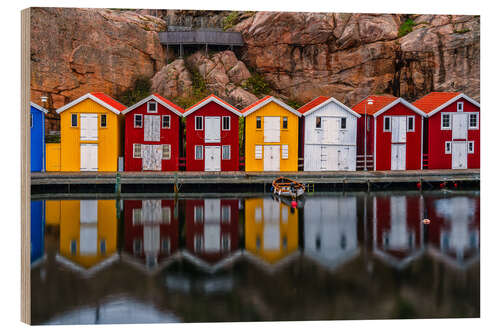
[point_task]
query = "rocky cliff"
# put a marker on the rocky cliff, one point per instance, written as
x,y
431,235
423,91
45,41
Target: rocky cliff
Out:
x,y
298,56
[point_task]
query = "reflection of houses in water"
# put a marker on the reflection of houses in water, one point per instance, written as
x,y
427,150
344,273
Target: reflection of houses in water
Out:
x,y
151,231
271,231
330,230
454,230
37,231
209,284
211,232
88,233
397,229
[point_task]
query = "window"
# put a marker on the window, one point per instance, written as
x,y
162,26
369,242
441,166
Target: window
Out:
x,y
259,123
136,216
103,246
473,121
470,147
198,152
138,121
31,120
318,122
460,106
165,121
198,243
104,121
166,214
226,242
198,214
447,147
368,125
152,107
285,122
72,247
226,214
284,152
226,152
165,245
74,120
445,121
137,246
284,242
137,150
387,124
343,123
226,123
198,123
165,152
258,152
410,124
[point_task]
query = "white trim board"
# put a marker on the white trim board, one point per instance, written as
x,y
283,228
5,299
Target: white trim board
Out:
x,y
147,99
328,101
405,103
92,97
454,99
214,99
38,107
269,100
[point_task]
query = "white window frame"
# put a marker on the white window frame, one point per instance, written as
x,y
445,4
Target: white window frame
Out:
x,y
477,121
198,218
284,152
76,115
229,123
228,147
320,123
283,123
105,120
446,145
156,107
169,152
460,107
195,123
201,149
469,151
134,155
165,117
345,128
137,116
408,124
258,152
225,214
390,124
449,121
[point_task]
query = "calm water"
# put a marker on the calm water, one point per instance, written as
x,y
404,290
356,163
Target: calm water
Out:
x,y
354,256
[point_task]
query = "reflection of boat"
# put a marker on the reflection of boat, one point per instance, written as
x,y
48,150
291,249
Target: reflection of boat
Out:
x,y
288,201
287,187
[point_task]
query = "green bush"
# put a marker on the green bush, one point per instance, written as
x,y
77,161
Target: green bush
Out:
x,y
406,27
199,89
256,85
294,104
230,20
140,89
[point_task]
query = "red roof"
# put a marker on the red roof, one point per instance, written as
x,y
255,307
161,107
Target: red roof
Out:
x,y
178,108
109,100
212,96
312,104
255,104
434,100
379,102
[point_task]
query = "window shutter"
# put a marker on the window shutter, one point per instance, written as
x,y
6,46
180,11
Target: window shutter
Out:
x,y
284,152
258,152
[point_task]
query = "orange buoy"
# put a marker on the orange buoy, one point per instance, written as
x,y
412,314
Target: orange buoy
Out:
x,y
294,204
426,221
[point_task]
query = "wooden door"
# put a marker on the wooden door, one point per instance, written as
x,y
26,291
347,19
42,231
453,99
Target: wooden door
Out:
x,y
272,158
459,155
152,128
151,157
212,158
398,128
88,157
212,129
272,129
343,158
324,158
398,156
459,126
88,127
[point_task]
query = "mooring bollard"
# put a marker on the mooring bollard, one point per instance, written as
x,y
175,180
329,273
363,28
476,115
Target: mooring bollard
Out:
x,y
118,185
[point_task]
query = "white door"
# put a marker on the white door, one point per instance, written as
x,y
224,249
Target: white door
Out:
x,y
151,128
331,129
151,157
398,128
398,156
459,155
343,158
211,226
271,129
324,158
212,158
272,158
212,129
459,126
88,126
88,157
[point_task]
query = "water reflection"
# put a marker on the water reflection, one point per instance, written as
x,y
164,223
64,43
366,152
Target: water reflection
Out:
x,y
240,259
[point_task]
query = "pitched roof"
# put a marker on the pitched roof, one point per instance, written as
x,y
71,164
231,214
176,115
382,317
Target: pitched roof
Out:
x,y
38,107
320,101
264,101
215,99
435,101
160,99
100,98
379,102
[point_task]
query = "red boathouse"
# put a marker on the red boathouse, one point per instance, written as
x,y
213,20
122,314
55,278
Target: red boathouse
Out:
x,y
393,134
451,130
152,135
212,136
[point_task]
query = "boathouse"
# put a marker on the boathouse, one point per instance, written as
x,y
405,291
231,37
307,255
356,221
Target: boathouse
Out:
x,y
329,137
393,136
212,136
37,144
271,136
451,130
152,135
37,231
91,134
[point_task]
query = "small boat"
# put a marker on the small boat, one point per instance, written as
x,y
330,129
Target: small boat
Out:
x,y
288,188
